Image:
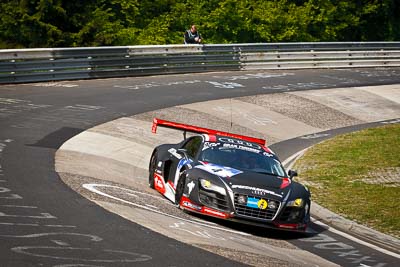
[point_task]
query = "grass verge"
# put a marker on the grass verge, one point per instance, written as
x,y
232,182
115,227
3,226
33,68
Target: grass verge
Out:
x,y
356,175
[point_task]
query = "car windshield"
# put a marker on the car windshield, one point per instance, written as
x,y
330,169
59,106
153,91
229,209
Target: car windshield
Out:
x,y
242,159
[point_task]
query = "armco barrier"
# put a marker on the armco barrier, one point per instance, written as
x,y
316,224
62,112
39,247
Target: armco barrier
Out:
x,y
52,64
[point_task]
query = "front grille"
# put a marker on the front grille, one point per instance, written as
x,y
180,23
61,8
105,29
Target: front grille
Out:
x,y
252,212
213,200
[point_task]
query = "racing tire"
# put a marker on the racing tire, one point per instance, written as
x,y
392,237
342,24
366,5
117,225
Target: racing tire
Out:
x,y
152,169
180,187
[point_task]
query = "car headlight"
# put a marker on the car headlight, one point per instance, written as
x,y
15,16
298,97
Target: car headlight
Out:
x,y
298,202
273,205
206,184
242,199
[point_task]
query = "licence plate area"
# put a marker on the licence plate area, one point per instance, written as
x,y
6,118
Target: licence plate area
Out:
x,y
255,207
252,202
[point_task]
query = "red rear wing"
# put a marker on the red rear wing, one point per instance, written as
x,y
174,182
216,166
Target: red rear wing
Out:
x,y
195,129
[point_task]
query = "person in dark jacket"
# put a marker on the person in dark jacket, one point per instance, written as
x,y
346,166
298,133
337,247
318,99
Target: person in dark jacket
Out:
x,y
192,36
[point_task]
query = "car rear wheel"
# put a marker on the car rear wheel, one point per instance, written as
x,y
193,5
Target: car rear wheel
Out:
x,y
152,169
180,187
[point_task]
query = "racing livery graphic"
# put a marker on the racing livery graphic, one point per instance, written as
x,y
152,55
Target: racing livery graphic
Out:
x,y
228,176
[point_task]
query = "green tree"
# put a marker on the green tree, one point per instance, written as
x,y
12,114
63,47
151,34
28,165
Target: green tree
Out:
x,y
32,23
55,23
106,23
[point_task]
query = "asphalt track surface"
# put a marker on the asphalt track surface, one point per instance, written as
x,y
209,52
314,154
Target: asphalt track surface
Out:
x,y
45,223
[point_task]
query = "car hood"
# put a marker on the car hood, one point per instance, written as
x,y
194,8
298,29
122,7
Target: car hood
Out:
x,y
249,183
255,179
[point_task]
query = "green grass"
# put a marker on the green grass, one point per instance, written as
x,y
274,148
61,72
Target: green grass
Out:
x,y
335,171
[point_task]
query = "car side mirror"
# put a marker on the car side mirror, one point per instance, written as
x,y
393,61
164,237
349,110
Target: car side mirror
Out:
x,y
184,152
292,174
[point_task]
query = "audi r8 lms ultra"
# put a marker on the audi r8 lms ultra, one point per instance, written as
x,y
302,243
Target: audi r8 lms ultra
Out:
x,y
228,176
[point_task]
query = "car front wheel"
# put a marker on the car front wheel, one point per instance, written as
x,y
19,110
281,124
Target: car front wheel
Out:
x,y
152,169
180,187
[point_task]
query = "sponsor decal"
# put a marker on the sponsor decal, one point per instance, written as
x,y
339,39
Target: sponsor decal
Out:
x,y
190,186
208,145
174,153
262,204
186,203
219,170
255,190
191,205
239,142
214,213
252,202
257,203
159,183
240,147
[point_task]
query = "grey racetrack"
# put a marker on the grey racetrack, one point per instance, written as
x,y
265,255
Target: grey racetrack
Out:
x,y
43,222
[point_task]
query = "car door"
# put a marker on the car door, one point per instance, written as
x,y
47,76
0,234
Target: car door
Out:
x,y
192,147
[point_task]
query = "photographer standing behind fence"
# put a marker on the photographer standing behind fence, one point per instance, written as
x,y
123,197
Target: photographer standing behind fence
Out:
x,y
192,36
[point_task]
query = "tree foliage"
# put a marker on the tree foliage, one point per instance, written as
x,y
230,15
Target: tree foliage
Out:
x,y
62,23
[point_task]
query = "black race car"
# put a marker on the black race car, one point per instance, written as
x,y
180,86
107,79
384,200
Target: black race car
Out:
x,y
228,176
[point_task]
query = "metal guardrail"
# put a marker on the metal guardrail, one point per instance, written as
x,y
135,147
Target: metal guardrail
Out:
x,y
52,64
